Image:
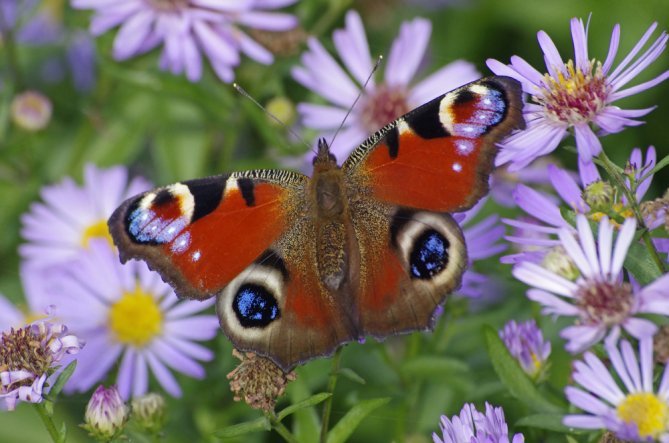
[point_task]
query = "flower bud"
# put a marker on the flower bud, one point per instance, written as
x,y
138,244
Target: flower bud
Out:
x,y
148,412
106,414
283,109
558,261
31,110
599,195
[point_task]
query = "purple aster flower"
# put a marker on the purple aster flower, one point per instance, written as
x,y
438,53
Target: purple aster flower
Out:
x,y
599,297
380,103
526,343
472,426
189,29
576,95
71,215
590,196
128,315
635,411
483,241
28,356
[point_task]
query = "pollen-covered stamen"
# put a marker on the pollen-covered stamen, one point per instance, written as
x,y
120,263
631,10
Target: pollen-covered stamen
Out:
x,y
575,96
647,411
25,349
383,106
603,302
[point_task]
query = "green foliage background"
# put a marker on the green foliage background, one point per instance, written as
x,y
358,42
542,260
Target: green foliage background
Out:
x,y
168,129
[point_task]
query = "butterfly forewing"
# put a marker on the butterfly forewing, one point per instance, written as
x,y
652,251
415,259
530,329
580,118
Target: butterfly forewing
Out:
x,y
200,234
439,156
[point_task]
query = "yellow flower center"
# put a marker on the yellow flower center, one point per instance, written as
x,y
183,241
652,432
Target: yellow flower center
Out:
x,y
575,96
96,230
648,412
136,318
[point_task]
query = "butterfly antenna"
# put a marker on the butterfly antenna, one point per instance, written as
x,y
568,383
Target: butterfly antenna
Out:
x,y
272,116
362,90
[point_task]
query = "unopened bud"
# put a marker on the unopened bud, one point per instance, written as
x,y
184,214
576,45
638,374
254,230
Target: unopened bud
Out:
x,y
31,110
106,414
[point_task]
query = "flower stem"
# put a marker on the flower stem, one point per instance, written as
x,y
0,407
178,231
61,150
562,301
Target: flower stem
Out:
x,y
614,172
281,429
47,419
332,382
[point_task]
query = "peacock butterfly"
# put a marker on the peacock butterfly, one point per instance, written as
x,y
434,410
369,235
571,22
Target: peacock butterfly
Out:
x,y
303,265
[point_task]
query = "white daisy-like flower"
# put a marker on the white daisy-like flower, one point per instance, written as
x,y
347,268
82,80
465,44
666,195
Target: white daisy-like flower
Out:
x,y
634,412
599,297
129,316
61,226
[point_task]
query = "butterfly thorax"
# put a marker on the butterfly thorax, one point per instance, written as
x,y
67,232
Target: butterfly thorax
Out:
x,y
332,222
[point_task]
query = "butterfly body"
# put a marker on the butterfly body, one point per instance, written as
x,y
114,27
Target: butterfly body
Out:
x,y
302,265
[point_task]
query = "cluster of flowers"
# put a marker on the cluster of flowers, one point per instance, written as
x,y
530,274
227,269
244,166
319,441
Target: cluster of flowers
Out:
x,y
573,271
580,258
124,313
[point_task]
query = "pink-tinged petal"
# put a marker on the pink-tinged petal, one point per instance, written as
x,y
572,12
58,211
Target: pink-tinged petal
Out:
x,y
575,252
567,188
623,242
538,205
124,379
554,63
638,88
449,77
645,60
101,23
618,364
654,298
588,172
163,375
254,50
218,48
347,140
10,316
407,51
530,144
552,305
272,4
187,308
193,328
581,338
613,49
580,44
646,360
190,349
640,327
192,59
268,21
176,360
321,117
586,401
663,389
612,119
530,73
587,142
587,241
605,244
584,421
651,159
535,275
630,56
500,68
226,5
140,381
132,34
592,373
351,44
632,365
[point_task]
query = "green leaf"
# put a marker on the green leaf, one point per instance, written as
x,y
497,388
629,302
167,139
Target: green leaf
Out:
x,y
639,262
64,376
513,376
259,424
349,422
311,401
351,375
430,367
548,422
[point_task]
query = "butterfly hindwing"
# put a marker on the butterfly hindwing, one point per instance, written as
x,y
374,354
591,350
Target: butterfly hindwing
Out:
x,y
200,234
438,157
278,306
